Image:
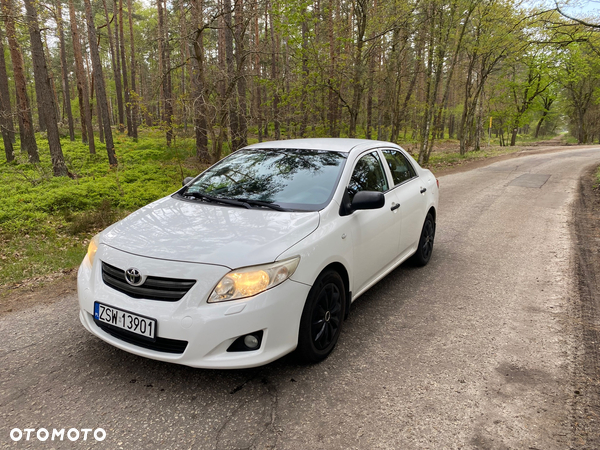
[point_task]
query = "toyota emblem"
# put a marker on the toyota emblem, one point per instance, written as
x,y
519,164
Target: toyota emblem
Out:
x,y
133,277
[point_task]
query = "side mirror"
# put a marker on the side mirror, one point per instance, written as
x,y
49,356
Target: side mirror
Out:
x,y
187,180
368,200
361,200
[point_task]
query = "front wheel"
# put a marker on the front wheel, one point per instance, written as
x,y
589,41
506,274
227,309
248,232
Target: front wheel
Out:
x,y
425,248
321,322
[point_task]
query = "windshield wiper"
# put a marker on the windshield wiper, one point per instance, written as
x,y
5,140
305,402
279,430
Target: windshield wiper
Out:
x,y
224,201
270,205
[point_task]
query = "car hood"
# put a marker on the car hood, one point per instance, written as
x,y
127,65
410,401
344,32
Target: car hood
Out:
x,y
197,232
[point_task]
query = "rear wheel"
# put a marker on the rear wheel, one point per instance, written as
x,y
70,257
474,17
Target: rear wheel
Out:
x,y
321,322
425,248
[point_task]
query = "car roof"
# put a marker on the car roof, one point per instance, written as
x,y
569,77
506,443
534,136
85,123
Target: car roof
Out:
x,y
345,145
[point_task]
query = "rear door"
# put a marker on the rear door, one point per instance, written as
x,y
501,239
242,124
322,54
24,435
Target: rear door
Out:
x,y
408,190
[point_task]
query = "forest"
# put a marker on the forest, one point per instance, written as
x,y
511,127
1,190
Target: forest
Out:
x,y
226,71
107,105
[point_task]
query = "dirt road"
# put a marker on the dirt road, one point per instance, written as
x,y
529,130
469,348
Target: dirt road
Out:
x,y
483,348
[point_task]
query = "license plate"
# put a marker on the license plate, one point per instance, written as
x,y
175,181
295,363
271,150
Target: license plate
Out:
x,y
133,323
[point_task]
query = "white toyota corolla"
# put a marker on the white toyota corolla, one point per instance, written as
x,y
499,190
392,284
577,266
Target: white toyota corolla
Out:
x,y
260,254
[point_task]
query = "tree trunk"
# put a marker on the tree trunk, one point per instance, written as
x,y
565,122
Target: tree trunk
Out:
x,y
463,121
274,64
305,73
513,136
333,99
161,60
115,63
184,55
50,75
65,71
581,134
5,108
38,106
87,129
257,95
165,63
28,143
479,125
548,101
369,128
5,92
99,81
402,112
124,71
98,113
200,126
263,92
429,94
134,100
231,92
241,139
357,80
44,89
168,79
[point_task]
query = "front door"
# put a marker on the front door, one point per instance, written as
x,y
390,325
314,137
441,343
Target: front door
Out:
x,y
375,233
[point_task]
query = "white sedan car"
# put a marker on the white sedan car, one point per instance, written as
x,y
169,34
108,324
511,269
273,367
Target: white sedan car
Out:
x,y
259,255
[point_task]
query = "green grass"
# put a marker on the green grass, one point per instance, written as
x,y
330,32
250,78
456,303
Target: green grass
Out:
x,y
31,256
46,221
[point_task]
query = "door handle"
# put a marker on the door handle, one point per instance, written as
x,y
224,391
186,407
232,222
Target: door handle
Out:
x,y
395,206
423,190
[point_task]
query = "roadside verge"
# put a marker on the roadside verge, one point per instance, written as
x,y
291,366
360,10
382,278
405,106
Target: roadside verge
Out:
x,y
586,239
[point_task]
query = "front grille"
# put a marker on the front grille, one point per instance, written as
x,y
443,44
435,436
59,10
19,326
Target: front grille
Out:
x,y
154,288
159,344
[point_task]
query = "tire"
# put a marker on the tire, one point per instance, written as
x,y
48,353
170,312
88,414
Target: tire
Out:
x,y
425,248
322,317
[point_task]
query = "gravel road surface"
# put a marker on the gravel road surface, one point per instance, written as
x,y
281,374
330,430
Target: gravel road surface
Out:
x,y
476,350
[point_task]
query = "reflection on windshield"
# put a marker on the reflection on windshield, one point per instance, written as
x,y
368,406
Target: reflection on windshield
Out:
x,y
295,179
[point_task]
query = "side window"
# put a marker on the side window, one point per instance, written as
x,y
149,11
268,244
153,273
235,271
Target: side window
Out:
x,y
401,169
368,175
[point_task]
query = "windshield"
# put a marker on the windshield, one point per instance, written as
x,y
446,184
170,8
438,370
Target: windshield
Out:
x,y
292,179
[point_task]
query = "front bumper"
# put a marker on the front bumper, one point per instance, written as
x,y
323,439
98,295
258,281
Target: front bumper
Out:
x,y
208,328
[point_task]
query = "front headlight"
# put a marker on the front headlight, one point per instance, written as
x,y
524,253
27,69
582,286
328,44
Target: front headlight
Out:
x,y
249,281
93,248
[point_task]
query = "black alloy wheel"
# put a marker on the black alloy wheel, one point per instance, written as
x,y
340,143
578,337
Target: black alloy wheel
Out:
x,y
322,317
425,248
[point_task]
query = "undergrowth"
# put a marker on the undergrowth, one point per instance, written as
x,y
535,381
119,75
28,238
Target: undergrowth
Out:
x,y
46,221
